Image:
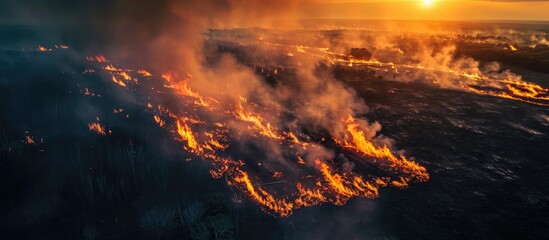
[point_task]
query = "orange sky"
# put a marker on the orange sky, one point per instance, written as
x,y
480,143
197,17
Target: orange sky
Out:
x,y
438,10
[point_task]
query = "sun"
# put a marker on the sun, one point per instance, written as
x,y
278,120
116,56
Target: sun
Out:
x,y
427,3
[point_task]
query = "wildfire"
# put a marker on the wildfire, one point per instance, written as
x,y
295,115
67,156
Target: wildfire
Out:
x,y
245,123
507,88
280,163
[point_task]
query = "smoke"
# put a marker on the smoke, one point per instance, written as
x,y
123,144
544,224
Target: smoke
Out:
x,y
173,38
433,57
291,127
318,101
231,108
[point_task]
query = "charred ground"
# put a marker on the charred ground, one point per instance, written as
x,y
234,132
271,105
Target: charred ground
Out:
x,y
486,157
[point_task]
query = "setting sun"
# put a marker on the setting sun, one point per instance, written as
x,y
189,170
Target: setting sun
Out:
x,y
427,3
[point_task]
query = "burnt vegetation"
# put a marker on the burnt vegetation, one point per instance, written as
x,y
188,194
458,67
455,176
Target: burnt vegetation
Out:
x,y
72,183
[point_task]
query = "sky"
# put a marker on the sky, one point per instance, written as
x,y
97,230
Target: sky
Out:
x,y
70,11
430,10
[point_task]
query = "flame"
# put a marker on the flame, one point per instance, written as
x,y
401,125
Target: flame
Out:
x,y
528,90
181,87
513,48
355,139
335,188
111,68
187,135
259,124
145,73
119,82
125,76
347,186
158,120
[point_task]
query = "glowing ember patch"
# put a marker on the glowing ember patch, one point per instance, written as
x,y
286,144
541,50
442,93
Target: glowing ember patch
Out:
x,y
98,128
41,48
181,87
119,82
29,140
89,71
277,174
111,68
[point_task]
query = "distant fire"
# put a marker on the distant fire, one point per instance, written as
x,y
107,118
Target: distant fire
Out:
x,y
506,87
